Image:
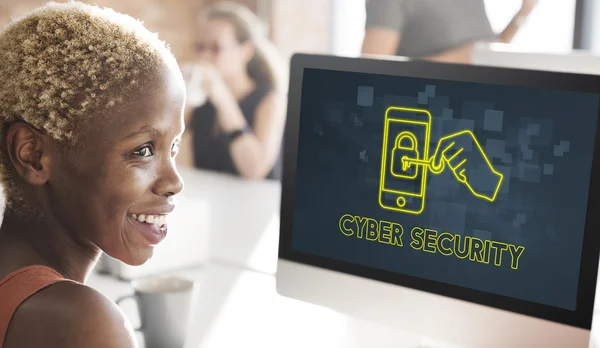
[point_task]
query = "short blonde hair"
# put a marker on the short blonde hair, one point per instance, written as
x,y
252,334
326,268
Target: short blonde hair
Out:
x,y
64,64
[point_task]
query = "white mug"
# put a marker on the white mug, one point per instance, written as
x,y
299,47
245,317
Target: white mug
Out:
x,y
164,306
192,75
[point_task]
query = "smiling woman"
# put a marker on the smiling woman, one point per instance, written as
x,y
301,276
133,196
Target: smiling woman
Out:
x,y
91,111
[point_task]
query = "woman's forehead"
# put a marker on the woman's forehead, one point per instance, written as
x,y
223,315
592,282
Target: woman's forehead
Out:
x,y
216,27
160,106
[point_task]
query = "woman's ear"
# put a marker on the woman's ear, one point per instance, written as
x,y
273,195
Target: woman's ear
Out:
x,y
29,152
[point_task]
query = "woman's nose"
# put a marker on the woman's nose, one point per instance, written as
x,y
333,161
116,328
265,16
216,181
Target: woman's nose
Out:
x,y
169,182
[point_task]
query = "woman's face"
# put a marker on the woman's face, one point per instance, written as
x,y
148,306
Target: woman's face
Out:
x,y
218,44
125,168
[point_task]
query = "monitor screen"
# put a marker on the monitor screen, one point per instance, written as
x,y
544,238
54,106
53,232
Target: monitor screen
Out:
x,y
480,186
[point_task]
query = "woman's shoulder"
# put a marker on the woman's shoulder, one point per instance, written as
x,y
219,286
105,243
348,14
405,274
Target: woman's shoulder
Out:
x,y
68,314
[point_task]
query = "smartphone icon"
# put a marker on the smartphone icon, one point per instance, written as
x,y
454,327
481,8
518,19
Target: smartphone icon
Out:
x,y
406,134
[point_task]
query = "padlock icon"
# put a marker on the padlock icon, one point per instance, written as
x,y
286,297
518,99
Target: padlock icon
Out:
x,y
405,147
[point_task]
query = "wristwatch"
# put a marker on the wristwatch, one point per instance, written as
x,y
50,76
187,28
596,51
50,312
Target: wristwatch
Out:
x,y
231,136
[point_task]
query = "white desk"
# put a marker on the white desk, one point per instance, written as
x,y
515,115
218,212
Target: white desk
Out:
x,y
240,308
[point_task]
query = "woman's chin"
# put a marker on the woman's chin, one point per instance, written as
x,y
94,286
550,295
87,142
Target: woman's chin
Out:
x,y
140,257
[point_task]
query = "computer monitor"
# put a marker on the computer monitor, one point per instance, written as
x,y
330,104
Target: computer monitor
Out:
x,y
507,56
457,202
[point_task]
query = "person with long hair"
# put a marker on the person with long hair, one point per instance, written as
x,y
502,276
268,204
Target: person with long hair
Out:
x,y
91,114
239,129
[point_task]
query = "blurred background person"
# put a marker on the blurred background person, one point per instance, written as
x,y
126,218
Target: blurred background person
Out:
x,y
238,78
444,31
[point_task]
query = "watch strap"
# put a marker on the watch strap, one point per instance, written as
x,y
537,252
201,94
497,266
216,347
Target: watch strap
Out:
x,y
231,136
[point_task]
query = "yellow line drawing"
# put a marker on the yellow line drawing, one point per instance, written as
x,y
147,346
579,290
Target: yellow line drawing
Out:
x,y
410,117
412,148
407,143
458,170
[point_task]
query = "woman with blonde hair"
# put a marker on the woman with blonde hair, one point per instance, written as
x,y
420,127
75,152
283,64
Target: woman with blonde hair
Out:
x,y
239,129
91,114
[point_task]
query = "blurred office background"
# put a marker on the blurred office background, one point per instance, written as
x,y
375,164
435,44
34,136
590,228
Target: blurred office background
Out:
x,y
293,24
337,26
550,27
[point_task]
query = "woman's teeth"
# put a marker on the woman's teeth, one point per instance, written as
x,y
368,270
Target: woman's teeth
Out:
x,y
158,220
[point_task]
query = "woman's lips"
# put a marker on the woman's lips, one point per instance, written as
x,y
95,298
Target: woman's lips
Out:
x,y
153,229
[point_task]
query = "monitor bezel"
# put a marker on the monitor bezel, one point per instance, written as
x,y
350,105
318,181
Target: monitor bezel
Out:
x,y
581,317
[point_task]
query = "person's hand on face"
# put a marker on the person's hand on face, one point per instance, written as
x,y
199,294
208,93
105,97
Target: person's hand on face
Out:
x,y
213,83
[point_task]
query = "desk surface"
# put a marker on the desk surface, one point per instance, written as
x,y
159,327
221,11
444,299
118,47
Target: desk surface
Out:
x,y
240,308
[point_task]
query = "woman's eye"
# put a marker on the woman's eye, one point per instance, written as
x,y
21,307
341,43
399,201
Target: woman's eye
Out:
x,y
145,151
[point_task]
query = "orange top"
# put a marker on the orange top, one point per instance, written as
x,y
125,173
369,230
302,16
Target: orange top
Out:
x,y
18,286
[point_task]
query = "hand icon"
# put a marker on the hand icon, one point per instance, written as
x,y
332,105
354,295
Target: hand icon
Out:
x,y
471,168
